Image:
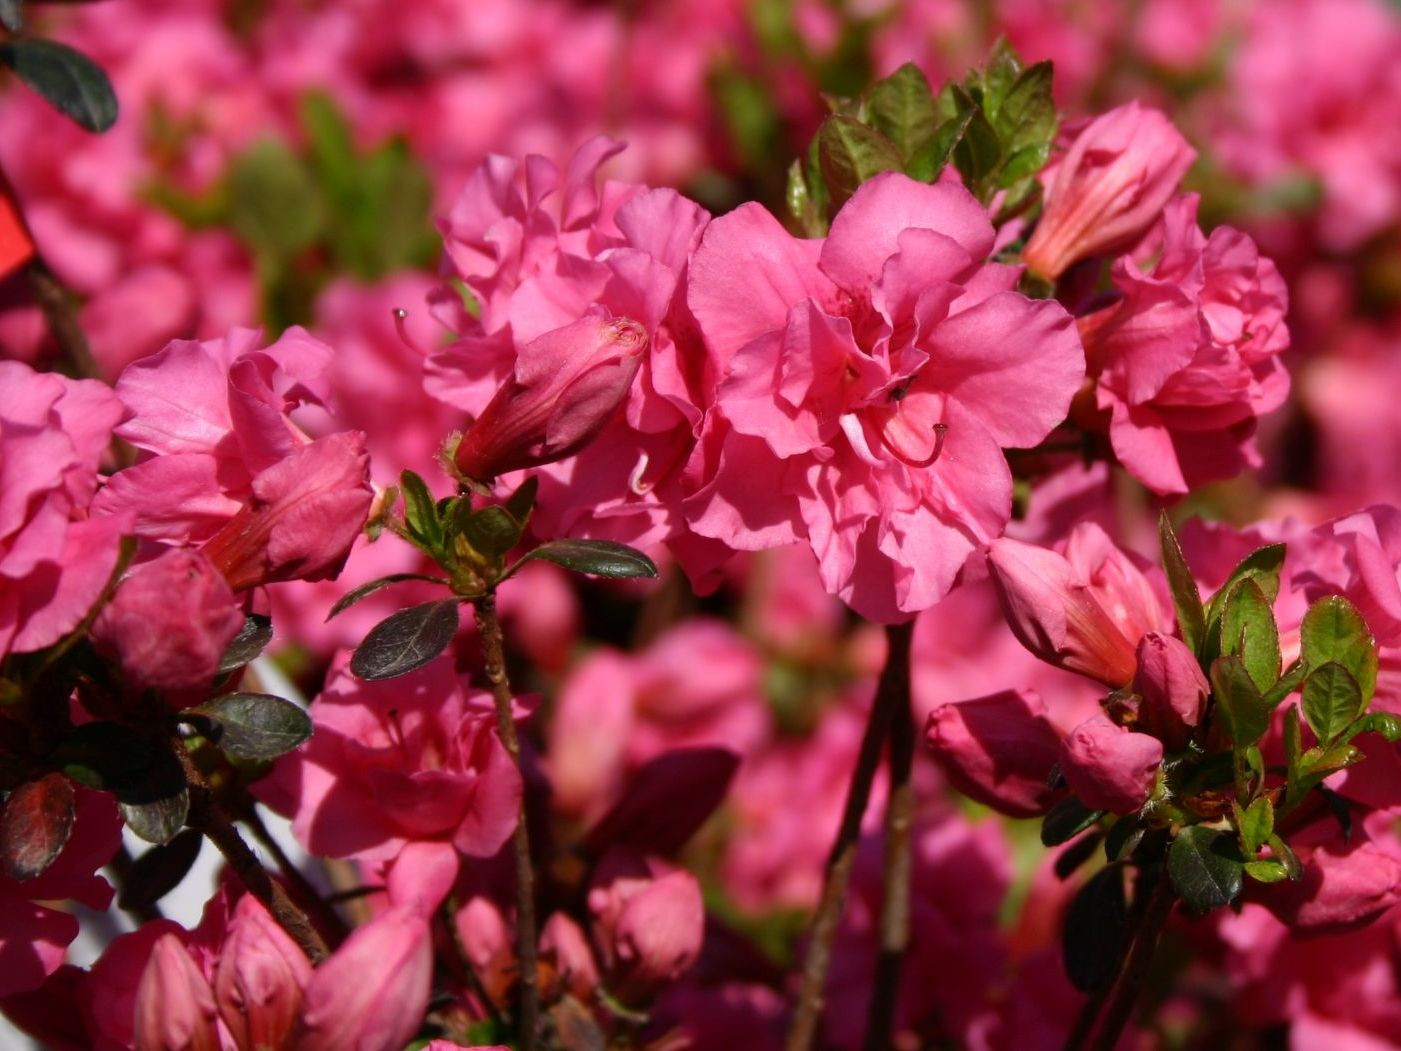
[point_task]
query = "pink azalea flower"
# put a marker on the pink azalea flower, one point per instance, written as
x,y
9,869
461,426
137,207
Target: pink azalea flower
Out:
x,y
870,382
998,750
1109,767
54,559
1189,358
1172,690
225,467
396,762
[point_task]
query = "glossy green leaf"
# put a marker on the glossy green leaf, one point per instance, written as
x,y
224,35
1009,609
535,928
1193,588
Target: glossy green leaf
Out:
x,y
1257,824
599,558
1026,118
901,107
1332,700
1186,599
1262,566
978,151
1248,630
157,820
1287,857
250,641
1384,723
931,157
1333,630
1206,868
1238,701
71,82
405,641
994,81
491,531
251,725
421,513
1267,870
849,153
1287,683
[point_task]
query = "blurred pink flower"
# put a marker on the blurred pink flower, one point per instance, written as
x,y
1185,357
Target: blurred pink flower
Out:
x,y
998,750
868,384
1188,359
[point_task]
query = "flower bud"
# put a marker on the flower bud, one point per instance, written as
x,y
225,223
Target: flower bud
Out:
x,y
565,948
1109,767
170,621
1084,610
1119,172
567,385
649,920
174,1004
259,979
998,750
1172,690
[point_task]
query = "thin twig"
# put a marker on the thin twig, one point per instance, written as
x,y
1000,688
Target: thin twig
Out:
x,y
61,316
895,903
308,896
494,657
892,692
206,815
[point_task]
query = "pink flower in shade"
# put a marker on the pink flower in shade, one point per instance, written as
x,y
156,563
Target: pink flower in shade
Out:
x,y
54,559
1109,767
224,466
259,978
543,252
175,1008
170,621
998,750
869,384
34,936
1084,608
1346,883
1188,359
1172,690
1109,187
396,762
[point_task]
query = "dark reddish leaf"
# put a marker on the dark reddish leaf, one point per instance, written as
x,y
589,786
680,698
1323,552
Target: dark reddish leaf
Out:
x,y
34,825
666,801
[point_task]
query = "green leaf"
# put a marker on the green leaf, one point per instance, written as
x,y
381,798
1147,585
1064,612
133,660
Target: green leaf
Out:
x,y
491,531
1257,824
1248,630
1287,857
901,107
405,641
1066,820
367,589
1262,566
1096,925
251,725
157,820
850,153
991,84
522,502
69,80
1186,599
255,634
1206,868
1287,683
978,152
1333,630
421,513
159,870
930,158
1026,119
35,822
1384,723
1023,164
1267,870
600,558
274,205
1238,701
1332,700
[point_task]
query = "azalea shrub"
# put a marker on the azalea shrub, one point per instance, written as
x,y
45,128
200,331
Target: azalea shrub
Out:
x,y
691,526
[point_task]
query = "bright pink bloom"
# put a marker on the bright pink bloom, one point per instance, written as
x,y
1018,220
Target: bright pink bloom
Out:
x,y
54,560
226,467
1109,767
175,1008
394,762
170,621
1083,609
259,978
568,384
648,920
1189,358
999,750
869,383
1171,688
1118,172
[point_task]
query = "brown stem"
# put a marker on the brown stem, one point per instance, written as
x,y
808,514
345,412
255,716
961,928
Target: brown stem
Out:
x,y
1122,993
208,817
895,902
308,896
494,656
61,317
892,692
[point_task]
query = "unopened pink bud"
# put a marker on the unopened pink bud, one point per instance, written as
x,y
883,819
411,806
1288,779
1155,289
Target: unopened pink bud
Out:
x,y
170,621
1109,188
1172,689
650,920
1108,767
998,750
174,1005
259,979
567,385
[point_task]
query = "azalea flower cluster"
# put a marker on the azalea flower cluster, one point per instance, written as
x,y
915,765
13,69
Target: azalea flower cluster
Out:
x,y
925,454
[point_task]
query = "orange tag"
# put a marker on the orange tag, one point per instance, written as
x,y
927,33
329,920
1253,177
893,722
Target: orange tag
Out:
x,y
16,246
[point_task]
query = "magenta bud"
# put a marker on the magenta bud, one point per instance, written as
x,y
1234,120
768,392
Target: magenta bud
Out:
x,y
567,385
259,979
1108,767
1110,186
1171,688
170,621
174,1005
998,750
